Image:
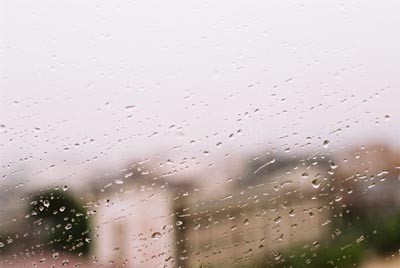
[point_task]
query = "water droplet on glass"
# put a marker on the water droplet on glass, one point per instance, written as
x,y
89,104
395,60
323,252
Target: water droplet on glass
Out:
x,y
325,143
291,213
277,256
46,203
338,198
130,108
156,235
315,183
278,219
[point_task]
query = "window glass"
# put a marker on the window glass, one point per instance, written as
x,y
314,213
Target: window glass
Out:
x,y
199,134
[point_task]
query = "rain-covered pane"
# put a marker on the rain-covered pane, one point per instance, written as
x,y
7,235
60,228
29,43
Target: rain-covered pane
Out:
x,y
209,134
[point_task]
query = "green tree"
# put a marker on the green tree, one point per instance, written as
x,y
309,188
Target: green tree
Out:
x,y
60,221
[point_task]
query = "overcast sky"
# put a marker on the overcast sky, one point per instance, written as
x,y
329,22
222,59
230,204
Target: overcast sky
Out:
x,y
116,80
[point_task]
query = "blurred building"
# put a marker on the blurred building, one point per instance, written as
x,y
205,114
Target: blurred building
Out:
x,y
275,204
13,227
135,221
151,222
368,180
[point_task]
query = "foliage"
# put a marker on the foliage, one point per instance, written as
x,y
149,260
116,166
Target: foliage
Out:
x,y
61,221
347,248
342,252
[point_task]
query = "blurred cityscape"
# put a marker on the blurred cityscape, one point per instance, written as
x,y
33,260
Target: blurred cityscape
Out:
x,y
199,134
276,210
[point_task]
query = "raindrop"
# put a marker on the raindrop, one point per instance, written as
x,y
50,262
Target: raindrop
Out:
x,y
325,143
360,239
130,108
46,203
156,235
338,198
226,197
127,175
315,183
349,191
291,213
277,256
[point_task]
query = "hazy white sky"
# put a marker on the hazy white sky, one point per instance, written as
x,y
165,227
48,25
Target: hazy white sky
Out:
x,y
111,80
